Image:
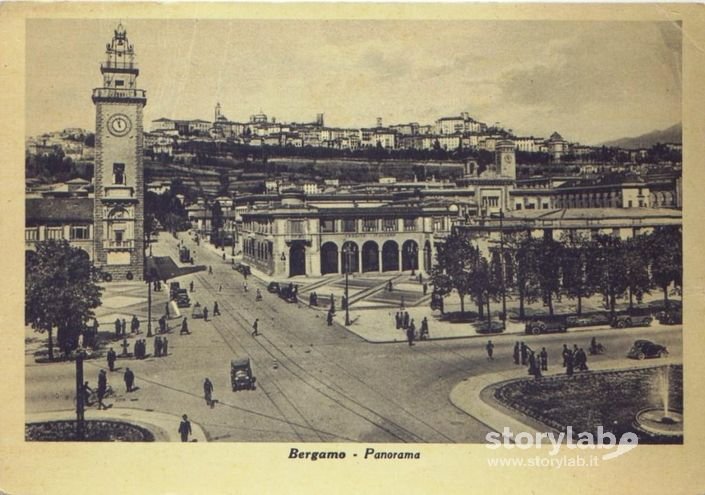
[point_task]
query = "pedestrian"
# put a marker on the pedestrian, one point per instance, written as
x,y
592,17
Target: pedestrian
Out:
x,y
412,327
185,428
255,328
258,295
441,304
310,299
582,360
565,353
544,359
490,350
531,362
216,309
524,353
569,363
410,336
516,353
315,299
389,286
223,256
162,324
118,327
190,286
420,278
536,366
111,359
184,327
205,314
129,378
210,270
406,319
102,389
166,310
124,326
244,285
425,288
424,329
329,318
332,303
157,346
220,288
135,325
138,349
86,391
165,346
208,392
398,319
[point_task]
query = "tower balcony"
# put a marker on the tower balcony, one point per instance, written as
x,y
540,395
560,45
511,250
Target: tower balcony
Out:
x,y
122,67
113,245
110,95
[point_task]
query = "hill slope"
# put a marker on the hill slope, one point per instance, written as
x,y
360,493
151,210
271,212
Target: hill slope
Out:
x,y
673,134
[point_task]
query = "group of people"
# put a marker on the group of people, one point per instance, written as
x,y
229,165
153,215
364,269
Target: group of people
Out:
x,y
574,359
313,299
536,361
121,326
402,320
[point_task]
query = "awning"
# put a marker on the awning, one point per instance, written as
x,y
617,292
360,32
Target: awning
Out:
x,y
164,268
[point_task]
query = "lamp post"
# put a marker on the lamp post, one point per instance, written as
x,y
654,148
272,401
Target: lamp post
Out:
x,y
150,280
413,252
283,258
347,251
80,397
501,256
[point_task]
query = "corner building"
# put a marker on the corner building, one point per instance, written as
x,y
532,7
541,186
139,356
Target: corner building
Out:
x,y
118,209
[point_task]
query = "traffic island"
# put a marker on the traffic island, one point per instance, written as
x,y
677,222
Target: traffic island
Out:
x,y
95,431
610,399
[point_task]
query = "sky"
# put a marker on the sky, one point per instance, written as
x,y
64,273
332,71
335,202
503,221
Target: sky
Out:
x,y
590,81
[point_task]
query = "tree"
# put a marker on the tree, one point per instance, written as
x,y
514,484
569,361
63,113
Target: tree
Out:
x,y
607,269
635,258
578,254
216,221
455,259
665,248
521,272
61,291
547,254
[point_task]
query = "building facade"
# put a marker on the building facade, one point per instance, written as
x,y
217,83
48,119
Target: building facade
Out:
x,y
118,212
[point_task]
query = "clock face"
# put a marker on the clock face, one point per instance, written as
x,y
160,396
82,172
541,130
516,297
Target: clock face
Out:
x,y
119,124
508,159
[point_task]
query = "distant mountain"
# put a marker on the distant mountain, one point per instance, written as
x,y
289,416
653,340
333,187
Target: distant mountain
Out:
x,y
673,134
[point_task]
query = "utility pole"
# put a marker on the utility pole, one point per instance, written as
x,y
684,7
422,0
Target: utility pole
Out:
x,y
150,280
80,396
347,252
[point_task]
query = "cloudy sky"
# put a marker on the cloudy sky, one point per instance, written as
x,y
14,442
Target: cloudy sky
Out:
x,y
591,81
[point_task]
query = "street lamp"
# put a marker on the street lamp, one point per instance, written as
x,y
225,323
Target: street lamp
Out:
x,y
501,256
149,276
80,397
348,252
413,251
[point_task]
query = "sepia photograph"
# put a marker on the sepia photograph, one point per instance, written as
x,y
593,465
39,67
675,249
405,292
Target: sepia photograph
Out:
x,y
239,237
392,241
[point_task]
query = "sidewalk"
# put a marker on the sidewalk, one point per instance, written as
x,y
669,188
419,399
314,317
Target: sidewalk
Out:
x,y
470,395
164,426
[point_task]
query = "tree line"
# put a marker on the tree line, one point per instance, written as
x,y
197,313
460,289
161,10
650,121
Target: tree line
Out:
x,y
577,267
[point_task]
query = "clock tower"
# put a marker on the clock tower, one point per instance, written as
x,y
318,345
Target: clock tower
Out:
x,y
118,211
506,159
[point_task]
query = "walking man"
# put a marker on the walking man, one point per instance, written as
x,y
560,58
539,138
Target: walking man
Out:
x,y
410,336
569,362
565,353
185,428
157,346
135,325
111,359
490,350
208,392
210,270
216,309
406,319
118,327
329,318
244,285
184,327
255,328
190,286
124,327
205,314
516,353
544,359
102,389
425,288
398,319
129,379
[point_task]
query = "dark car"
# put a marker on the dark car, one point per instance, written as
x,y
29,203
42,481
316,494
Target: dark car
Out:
x,y
646,349
288,293
273,287
242,268
672,316
588,320
546,324
632,318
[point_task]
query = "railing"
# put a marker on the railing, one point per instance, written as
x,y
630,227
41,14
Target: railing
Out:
x,y
113,244
119,93
118,65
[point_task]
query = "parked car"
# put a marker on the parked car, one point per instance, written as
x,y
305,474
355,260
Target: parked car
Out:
x,y
241,376
588,319
288,294
633,318
642,349
546,324
273,287
484,327
242,268
672,316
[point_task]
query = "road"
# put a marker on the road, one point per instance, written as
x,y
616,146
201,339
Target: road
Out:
x,y
315,383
